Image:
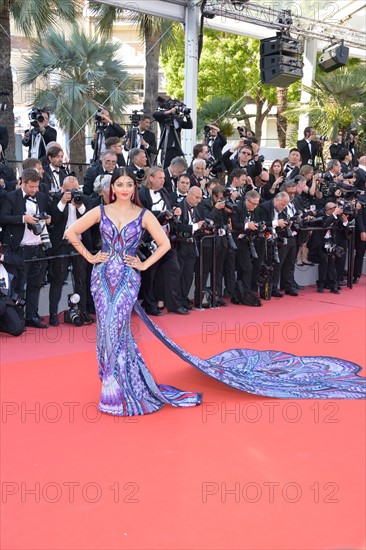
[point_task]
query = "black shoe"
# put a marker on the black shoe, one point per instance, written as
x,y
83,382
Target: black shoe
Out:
x,y
291,292
320,289
356,280
35,322
235,301
54,322
335,290
342,283
154,312
86,318
277,294
189,307
220,303
299,287
181,311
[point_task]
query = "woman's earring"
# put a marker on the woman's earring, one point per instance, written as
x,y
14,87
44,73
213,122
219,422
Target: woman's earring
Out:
x,y
113,197
133,197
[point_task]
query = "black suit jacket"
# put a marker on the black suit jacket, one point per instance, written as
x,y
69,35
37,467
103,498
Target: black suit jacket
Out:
x,y
146,200
89,178
217,145
360,179
49,135
169,183
306,156
59,220
12,212
150,138
253,169
48,176
241,214
9,177
266,212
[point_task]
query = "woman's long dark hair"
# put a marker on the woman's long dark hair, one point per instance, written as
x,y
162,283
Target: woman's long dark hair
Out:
x,y
124,172
274,162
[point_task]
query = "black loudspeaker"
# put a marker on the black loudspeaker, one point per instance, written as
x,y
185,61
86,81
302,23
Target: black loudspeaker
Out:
x,y
334,58
281,62
281,75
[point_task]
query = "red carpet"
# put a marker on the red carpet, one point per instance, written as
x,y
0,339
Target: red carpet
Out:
x,y
239,472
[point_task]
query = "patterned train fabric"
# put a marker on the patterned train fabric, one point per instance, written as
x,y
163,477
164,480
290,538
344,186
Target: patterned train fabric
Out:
x,y
128,387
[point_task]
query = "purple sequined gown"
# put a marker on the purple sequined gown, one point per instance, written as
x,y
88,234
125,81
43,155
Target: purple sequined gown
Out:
x,y
128,387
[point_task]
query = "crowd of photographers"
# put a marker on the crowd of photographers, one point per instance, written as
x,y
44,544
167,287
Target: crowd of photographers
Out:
x,y
237,229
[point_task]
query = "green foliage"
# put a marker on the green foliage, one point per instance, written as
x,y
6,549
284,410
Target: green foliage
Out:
x,y
85,72
36,16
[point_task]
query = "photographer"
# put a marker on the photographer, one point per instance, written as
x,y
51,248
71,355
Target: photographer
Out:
x,y
293,164
24,213
360,174
54,172
200,151
360,239
337,146
107,166
137,164
11,309
114,145
215,141
309,147
40,134
250,243
162,280
142,138
173,117
215,211
187,249
352,146
323,249
326,188
176,167
245,157
67,207
199,176
345,157
105,128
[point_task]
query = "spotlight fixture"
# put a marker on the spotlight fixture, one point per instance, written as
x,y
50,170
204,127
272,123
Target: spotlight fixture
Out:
x,y
333,58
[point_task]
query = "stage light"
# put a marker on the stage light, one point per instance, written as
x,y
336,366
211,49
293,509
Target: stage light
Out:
x,y
333,58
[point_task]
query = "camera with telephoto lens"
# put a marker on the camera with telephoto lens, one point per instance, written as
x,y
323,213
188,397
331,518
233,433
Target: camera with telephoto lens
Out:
x,y
77,196
73,316
35,116
37,228
136,117
181,108
321,138
334,250
207,129
349,209
98,117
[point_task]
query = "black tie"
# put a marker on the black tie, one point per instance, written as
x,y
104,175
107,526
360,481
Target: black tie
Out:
x,y
156,192
181,196
55,171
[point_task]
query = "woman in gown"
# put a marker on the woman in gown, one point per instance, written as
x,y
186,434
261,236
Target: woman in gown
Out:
x,y
128,387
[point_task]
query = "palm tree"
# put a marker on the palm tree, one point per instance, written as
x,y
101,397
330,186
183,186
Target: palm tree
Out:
x,y
85,74
337,100
31,17
156,33
217,110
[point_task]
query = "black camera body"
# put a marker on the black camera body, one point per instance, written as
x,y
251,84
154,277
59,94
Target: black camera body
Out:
x,y
136,117
35,116
77,196
73,316
98,118
181,108
37,228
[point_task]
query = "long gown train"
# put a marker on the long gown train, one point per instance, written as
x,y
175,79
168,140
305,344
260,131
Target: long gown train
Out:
x,y
128,387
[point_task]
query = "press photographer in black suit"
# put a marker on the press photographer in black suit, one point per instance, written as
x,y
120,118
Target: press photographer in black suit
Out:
x,y
246,157
40,135
108,165
177,166
187,249
157,199
11,311
25,235
54,172
105,128
215,141
168,119
67,207
245,224
309,147
145,139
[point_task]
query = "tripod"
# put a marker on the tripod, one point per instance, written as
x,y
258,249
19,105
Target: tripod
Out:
x,y
164,140
98,142
133,143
